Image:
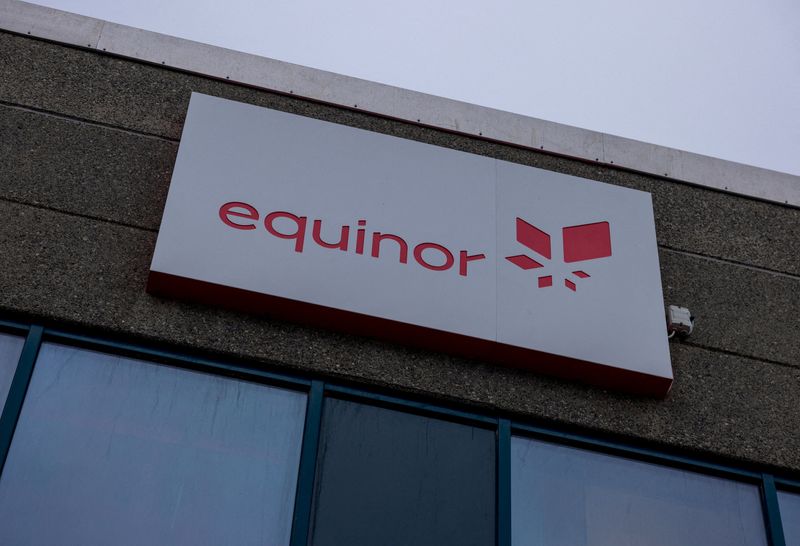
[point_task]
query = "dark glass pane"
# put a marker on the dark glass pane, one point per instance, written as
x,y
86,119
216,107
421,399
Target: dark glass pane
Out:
x,y
387,478
111,450
562,496
10,349
790,515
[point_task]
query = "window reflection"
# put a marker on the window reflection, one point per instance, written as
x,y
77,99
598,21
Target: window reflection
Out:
x,y
790,516
563,496
10,349
389,478
111,450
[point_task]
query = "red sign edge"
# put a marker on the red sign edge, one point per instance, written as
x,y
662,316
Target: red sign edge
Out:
x,y
320,316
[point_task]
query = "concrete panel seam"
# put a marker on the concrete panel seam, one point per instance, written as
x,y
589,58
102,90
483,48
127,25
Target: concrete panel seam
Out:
x,y
78,119
737,354
76,215
730,262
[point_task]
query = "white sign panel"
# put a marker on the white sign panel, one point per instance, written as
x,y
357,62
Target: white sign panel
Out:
x,y
340,227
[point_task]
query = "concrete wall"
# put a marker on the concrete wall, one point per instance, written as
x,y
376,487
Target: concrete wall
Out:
x,y
87,144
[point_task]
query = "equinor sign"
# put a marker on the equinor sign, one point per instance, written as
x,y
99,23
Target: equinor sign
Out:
x,y
342,228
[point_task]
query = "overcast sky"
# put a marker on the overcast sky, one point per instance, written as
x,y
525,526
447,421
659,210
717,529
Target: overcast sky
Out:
x,y
716,77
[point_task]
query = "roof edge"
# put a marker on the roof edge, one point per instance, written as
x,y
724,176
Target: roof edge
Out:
x,y
411,106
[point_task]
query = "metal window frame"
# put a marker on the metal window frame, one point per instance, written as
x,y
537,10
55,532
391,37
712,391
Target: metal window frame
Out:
x,y
790,486
319,390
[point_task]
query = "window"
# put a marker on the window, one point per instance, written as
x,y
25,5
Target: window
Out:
x,y
112,450
386,477
10,349
790,515
115,450
562,496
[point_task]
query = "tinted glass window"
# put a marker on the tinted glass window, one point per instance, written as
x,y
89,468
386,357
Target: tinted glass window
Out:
x,y
790,515
387,478
110,450
570,497
10,349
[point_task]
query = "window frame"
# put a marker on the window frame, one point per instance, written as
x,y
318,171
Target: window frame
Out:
x,y
319,389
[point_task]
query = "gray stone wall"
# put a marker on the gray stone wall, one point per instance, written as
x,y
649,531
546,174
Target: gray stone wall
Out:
x,y
87,144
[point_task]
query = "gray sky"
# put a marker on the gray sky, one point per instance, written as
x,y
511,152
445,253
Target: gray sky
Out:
x,y
716,77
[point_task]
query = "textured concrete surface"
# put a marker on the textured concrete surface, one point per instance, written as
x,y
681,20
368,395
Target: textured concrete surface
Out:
x,y
153,100
83,169
739,309
91,274
108,90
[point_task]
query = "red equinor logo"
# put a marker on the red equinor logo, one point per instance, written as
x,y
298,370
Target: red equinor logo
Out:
x,y
581,243
429,255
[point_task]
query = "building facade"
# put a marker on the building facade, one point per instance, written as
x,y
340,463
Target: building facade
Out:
x,y
136,419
